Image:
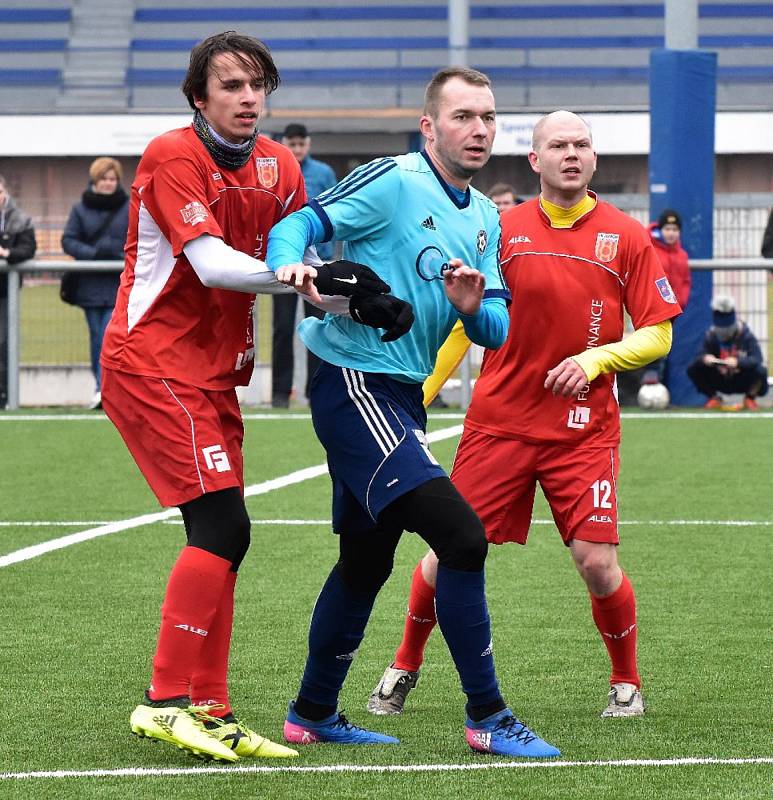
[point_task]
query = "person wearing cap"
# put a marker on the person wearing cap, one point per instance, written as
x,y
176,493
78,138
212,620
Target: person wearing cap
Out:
x,y
318,177
666,235
731,361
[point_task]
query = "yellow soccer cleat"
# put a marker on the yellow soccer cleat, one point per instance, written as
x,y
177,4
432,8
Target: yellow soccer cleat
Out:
x,y
181,727
242,740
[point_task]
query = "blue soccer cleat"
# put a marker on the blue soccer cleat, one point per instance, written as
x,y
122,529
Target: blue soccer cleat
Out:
x,y
503,734
335,729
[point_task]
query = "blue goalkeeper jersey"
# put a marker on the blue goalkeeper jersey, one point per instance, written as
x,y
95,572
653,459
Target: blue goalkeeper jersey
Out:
x,y
399,216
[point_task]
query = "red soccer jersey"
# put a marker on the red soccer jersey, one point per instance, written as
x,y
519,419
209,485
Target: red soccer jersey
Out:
x,y
569,288
166,323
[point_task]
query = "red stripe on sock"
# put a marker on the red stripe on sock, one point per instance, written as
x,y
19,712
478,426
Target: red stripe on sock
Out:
x,y
615,617
419,623
192,597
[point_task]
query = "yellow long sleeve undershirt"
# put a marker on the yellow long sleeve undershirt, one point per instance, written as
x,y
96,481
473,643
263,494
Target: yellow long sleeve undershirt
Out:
x,y
641,347
449,357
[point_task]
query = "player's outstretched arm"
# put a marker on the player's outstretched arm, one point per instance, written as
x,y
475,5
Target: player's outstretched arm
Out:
x,y
220,266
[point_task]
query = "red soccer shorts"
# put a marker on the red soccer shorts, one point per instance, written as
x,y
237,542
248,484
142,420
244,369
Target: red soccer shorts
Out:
x,y
186,441
498,478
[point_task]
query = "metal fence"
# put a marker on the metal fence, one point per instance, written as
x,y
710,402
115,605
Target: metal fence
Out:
x,y
48,340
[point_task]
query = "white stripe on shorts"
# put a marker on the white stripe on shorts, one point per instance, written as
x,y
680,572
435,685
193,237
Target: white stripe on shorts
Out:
x,y
369,410
193,432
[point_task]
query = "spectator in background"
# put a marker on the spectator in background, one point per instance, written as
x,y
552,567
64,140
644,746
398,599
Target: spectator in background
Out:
x,y
767,238
17,243
96,231
666,235
504,196
731,361
318,177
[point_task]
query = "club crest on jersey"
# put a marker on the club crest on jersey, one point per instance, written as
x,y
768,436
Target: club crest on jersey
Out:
x,y
666,292
268,171
606,246
482,241
194,213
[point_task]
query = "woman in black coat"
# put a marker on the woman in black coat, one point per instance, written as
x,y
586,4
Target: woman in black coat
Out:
x,y
96,231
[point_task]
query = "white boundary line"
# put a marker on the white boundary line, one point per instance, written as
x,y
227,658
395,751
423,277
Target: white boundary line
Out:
x,y
27,553
447,415
731,523
138,772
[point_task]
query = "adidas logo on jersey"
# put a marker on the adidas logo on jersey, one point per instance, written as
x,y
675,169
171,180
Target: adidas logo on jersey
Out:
x,y
429,224
519,240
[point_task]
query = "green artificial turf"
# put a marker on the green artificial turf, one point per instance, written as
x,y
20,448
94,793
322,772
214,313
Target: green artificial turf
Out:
x,y
79,626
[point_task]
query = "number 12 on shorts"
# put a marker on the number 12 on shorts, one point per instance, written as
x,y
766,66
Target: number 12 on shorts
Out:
x,y
601,492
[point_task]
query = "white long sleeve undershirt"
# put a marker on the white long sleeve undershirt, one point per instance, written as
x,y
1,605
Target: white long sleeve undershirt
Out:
x,y
219,266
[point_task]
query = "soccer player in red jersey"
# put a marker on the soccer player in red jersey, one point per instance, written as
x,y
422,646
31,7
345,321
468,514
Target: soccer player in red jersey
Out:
x,y
545,408
179,342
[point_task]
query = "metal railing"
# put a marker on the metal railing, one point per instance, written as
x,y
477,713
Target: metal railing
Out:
x,y
15,272
745,278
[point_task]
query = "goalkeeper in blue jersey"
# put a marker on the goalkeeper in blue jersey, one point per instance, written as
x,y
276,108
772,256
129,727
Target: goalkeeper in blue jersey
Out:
x,y
416,221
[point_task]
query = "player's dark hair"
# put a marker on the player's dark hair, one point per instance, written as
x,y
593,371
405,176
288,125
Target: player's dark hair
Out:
x,y
251,53
441,78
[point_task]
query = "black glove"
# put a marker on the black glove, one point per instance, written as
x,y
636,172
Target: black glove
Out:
x,y
383,311
348,278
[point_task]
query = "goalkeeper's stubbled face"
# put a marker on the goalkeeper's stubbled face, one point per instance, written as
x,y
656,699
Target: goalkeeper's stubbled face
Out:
x,y
462,133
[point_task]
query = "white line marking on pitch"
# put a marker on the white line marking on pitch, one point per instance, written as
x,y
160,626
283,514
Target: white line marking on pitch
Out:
x,y
741,523
737,523
27,553
138,772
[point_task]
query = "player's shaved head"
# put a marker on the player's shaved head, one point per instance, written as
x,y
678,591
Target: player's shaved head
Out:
x,y
550,122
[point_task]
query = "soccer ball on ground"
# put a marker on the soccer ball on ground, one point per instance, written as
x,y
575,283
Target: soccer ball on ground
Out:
x,y
653,395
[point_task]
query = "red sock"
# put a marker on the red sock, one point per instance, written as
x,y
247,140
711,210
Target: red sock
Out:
x,y
209,684
615,617
419,623
192,596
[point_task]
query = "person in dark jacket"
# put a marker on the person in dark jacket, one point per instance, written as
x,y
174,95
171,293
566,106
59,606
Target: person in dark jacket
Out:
x,y
17,244
767,238
318,177
96,231
731,361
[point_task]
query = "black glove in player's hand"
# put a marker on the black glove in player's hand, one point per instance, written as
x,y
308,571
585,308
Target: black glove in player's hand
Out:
x,y
349,279
383,311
